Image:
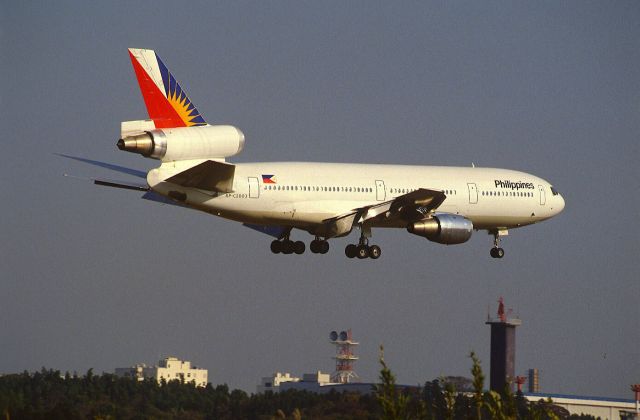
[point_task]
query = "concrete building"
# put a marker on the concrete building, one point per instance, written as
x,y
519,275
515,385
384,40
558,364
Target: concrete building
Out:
x,y
534,381
283,381
273,382
169,369
599,407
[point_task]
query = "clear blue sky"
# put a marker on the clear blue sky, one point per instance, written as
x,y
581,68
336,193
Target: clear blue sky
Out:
x,y
95,277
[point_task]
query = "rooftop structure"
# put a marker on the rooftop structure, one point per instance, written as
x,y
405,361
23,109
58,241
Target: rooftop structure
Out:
x,y
273,382
168,369
599,407
534,380
283,381
503,349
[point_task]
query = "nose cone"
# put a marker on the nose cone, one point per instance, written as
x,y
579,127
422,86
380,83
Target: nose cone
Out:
x,y
560,204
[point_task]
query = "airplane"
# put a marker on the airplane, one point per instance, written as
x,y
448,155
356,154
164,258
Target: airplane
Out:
x,y
327,200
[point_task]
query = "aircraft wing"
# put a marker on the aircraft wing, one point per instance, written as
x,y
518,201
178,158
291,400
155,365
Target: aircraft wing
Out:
x,y
407,208
403,209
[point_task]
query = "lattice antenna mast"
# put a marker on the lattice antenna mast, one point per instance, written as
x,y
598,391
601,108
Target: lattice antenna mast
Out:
x,y
344,356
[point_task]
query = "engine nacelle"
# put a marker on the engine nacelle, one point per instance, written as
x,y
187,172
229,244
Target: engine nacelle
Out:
x,y
448,229
182,143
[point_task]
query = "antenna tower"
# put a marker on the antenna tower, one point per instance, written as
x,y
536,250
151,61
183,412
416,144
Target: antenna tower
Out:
x,y
344,356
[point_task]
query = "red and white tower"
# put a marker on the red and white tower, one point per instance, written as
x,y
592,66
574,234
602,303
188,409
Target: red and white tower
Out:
x,y
344,356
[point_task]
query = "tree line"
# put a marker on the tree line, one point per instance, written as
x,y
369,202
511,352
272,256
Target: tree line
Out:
x,y
49,394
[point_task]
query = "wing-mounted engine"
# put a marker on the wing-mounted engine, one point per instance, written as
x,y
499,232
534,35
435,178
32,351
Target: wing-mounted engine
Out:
x,y
184,143
443,228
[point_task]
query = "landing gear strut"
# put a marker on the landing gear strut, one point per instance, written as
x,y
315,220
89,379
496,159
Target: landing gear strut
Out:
x,y
285,245
496,251
363,249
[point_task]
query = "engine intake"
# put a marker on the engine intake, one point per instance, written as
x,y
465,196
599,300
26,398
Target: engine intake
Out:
x,y
182,143
448,229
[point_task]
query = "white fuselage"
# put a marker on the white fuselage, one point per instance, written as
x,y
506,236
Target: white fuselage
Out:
x,y
303,194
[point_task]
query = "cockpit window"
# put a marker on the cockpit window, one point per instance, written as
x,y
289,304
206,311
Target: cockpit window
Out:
x,y
554,191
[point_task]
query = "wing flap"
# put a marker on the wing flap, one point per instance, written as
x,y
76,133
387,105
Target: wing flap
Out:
x,y
209,175
406,208
416,204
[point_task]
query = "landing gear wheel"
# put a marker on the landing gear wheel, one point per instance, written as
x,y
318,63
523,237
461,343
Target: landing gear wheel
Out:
x,y
314,246
324,247
362,252
350,251
276,247
497,252
287,246
298,247
374,252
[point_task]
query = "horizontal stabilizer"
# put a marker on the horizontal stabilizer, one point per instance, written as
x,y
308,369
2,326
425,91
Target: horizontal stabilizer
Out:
x,y
123,185
111,166
210,175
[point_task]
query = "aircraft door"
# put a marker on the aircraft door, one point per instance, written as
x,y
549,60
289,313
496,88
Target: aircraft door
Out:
x,y
543,198
380,190
254,187
473,193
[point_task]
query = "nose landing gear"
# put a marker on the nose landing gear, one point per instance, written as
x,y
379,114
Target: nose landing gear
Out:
x,y
496,251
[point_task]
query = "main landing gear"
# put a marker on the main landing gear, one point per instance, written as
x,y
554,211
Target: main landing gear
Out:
x,y
318,246
496,251
287,246
363,249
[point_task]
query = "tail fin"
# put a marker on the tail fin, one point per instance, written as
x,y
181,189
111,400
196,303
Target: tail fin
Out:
x,y
167,104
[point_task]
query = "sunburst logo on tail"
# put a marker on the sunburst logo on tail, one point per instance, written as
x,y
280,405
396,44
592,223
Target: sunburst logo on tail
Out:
x,y
178,99
185,109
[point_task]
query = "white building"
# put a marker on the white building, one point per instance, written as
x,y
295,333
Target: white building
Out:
x,y
273,382
283,381
169,369
599,407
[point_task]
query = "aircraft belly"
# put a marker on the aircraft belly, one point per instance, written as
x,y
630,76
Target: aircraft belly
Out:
x,y
265,212
501,221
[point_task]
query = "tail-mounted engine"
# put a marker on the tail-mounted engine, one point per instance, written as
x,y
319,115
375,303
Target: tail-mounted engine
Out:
x,y
443,228
183,143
